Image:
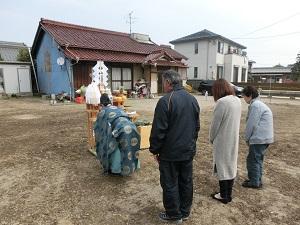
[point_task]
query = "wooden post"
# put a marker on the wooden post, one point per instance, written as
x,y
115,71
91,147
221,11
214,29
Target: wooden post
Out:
x,y
92,111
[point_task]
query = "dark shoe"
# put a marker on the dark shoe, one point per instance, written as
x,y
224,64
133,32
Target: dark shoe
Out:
x,y
247,184
164,217
217,196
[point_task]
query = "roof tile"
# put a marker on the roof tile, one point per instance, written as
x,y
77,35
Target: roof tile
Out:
x,y
91,43
205,34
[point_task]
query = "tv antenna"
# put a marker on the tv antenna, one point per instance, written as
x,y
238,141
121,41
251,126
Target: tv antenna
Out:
x,y
130,20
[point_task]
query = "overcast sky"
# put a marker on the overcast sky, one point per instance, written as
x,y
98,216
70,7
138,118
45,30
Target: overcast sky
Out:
x,y
269,29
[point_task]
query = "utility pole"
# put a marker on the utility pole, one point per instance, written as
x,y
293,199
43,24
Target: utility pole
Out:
x,y
33,68
270,97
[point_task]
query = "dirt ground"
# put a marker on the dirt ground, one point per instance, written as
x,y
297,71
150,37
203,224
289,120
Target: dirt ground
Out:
x,y
47,176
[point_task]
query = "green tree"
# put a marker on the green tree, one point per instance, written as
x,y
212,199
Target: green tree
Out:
x,y
23,55
296,68
1,59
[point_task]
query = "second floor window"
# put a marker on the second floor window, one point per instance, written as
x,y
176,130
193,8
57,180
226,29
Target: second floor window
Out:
x,y
195,72
220,47
196,48
229,49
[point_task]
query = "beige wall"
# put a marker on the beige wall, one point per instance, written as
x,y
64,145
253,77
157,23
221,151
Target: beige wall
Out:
x,y
239,61
205,60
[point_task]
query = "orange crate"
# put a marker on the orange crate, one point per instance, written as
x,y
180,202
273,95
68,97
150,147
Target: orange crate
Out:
x,y
145,132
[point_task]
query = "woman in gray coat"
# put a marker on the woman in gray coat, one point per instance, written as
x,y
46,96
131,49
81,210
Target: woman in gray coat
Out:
x,y
224,135
258,135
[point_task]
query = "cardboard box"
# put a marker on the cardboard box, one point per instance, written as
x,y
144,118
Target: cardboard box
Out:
x,y
145,135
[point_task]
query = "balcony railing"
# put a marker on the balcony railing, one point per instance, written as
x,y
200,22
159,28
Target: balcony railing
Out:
x,y
237,52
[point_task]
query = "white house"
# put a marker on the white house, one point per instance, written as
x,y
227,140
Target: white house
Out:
x,y
212,56
15,76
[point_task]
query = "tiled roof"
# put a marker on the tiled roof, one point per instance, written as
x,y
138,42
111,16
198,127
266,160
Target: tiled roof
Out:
x,y
162,58
9,50
109,56
199,35
86,43
156,55
205,34
270,70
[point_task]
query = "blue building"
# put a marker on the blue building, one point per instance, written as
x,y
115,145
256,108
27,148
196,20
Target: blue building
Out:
x,y
52,77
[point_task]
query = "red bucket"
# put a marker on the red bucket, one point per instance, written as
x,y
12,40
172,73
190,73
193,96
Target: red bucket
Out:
x,y
79,100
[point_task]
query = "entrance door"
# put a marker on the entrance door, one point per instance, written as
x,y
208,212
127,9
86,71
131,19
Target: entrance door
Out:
x,y
219,72
82,74
153,83
159,82
24,80
235,73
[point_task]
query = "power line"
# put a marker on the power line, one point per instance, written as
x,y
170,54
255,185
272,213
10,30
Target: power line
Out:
x,y
272,36
279,21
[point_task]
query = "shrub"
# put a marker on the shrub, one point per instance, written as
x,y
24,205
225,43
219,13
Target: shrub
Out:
x,y
23,55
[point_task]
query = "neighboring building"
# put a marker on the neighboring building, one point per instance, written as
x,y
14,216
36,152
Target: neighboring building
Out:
x,y
275,74
250,66
212,56
129,57
15,76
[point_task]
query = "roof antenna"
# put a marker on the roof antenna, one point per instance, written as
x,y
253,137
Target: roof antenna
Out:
x,y
130,21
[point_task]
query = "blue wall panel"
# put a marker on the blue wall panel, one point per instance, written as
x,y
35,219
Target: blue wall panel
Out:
x,y
52,77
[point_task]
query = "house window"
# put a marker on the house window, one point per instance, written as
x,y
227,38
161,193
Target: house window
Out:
x,y
196,48
126,78
229,49
235,73
47,62
195,72
243,75
220,47
219,72
121,77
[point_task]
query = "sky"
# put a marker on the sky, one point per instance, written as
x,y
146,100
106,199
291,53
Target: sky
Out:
x,y
269,29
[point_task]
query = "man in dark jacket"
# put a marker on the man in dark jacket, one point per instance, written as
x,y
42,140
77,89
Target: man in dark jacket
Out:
x,y
173,141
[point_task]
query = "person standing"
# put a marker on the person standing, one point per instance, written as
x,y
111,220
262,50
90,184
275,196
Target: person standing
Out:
x,y
258,136
224,135
173,142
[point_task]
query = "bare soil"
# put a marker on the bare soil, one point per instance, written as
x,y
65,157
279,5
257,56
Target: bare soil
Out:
x,y
47,176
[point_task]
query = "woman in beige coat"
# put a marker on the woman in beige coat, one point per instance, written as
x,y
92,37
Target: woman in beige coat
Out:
x,y
224,135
